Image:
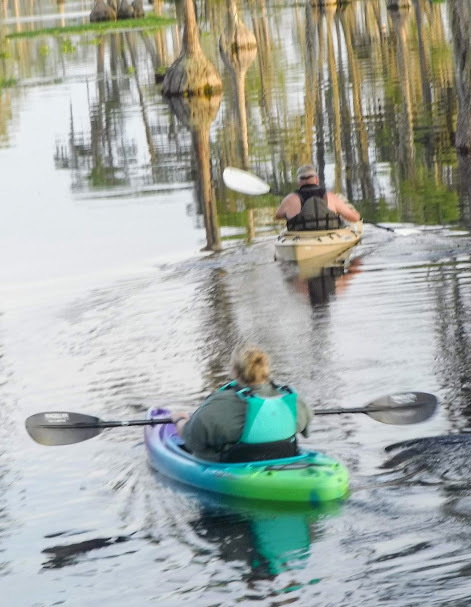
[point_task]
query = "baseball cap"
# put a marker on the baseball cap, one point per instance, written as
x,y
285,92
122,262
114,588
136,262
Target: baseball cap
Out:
x,y
306,171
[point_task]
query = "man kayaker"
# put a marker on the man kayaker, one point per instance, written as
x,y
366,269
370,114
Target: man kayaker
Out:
x,y
249,419
312,207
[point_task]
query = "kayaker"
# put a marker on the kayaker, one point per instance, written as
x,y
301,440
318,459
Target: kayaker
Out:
x,y
249,419
312,207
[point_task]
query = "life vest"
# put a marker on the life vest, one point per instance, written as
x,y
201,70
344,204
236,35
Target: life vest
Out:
x,y
269,430
314,214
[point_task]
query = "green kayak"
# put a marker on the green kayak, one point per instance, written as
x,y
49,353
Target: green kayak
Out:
x,y
308,478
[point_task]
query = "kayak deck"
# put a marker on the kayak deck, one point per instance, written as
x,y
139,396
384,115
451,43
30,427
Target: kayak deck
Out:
x,y
300,246
309,477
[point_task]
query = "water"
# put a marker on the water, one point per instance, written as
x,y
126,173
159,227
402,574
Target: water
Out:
x,y
109,306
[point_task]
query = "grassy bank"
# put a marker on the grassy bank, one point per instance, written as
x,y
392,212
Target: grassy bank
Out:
x,y
149,22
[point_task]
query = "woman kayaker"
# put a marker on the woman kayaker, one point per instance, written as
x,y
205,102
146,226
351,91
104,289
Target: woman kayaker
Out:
x,y
249,419
312,207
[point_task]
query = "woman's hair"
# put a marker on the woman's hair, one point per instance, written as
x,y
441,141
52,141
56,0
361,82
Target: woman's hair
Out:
x,y
250,365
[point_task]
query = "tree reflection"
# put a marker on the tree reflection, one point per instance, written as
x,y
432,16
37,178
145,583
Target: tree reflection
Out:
x,y
109,154
238,49
197,113
376,111
460,16
452,330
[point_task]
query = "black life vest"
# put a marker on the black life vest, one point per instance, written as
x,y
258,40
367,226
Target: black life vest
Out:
x,y
314,214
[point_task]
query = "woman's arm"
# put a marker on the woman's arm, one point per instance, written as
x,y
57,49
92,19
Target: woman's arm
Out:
x,y
304,416
180,418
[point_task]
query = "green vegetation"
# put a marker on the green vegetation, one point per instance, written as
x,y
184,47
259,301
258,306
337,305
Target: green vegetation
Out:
x,y
429,202
67,47
7,83
103,176
149,22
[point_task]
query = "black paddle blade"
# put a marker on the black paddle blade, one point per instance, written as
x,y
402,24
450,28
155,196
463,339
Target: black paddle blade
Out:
x,y
403,408
62,428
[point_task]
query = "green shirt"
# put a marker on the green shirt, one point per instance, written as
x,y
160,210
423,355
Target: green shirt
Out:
x,y
219,421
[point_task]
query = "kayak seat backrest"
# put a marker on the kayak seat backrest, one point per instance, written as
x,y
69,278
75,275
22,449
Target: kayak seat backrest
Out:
x,y
256,452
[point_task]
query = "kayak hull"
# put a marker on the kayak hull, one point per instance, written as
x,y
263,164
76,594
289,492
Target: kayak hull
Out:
x,y
301,246
308,478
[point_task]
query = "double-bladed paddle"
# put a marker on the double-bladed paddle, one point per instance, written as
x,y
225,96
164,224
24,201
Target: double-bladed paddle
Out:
x,y
65,428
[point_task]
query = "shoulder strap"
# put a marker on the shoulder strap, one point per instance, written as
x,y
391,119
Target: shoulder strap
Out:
x,y
308,191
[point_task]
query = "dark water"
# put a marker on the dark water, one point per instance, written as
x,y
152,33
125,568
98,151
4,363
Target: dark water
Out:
x,y
108,306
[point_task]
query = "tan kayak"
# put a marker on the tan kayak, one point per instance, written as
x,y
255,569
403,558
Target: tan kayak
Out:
x,y
299,246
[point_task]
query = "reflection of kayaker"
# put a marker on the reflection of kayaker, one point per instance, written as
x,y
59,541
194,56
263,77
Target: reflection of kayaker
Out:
x,y
266,544
271,539
249,419
327,282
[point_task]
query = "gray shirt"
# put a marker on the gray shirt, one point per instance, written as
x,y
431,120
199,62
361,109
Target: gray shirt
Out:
x,y
220,420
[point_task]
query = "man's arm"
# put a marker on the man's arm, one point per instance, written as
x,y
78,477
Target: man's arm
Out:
x,y
289,207
337,205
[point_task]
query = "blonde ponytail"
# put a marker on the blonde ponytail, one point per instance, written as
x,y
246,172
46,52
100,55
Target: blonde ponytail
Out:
x,y
250,365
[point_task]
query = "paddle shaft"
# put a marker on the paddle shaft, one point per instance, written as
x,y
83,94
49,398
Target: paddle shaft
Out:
x,y
357,410
108,424
168,420
381,227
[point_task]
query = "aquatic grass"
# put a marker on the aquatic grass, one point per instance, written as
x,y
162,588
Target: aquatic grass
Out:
x,y
103,27
7,83
67,47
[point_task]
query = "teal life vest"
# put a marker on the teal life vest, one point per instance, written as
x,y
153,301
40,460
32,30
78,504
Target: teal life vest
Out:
x,y
269,430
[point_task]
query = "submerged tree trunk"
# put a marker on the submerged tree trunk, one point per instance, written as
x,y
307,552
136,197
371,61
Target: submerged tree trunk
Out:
x,y
396,4
125,11
460,18
192,73
461,23
197,113
330,2
405,119
238,48
102,12
335,104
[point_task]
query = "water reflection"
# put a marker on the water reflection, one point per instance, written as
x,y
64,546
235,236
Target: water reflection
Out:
x,y
442,461
321,280
111,154
219,319
65,555
269,538
238,48
388,147
197,113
